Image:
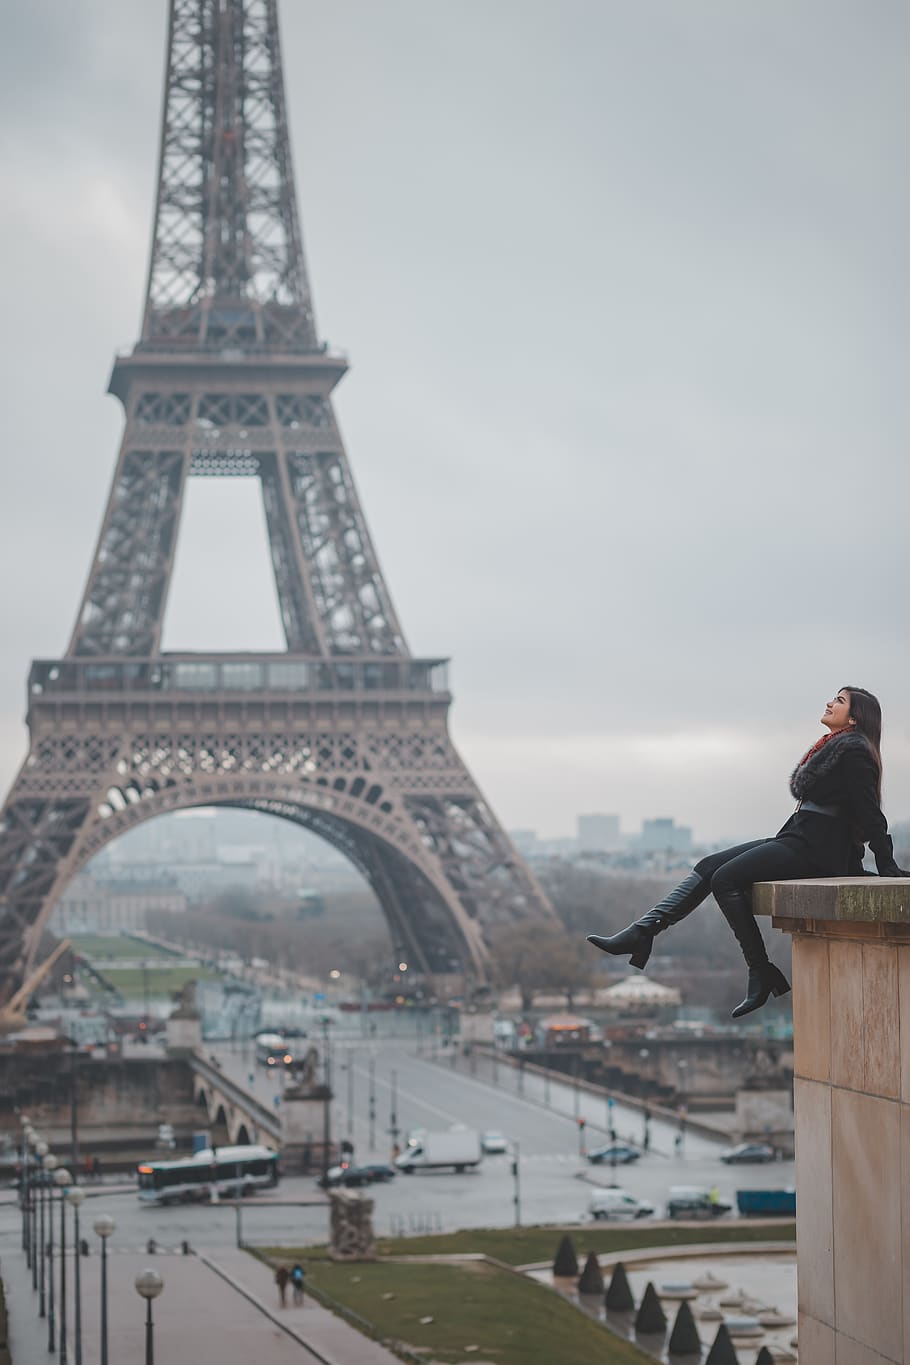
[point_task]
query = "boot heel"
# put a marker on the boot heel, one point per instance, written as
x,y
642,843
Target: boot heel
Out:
x,y
639,958
779,983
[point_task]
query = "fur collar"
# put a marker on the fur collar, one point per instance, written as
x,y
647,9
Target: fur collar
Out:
x,y
805,775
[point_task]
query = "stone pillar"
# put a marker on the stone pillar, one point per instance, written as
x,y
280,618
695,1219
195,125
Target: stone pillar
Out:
x,y
184,1025
303,1128
851,1024
351,1226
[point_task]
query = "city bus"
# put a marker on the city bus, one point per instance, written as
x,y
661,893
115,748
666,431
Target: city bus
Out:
x,y
273,1050
233,1171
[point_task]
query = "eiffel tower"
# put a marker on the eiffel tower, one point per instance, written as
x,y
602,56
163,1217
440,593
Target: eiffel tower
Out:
x,y
344,733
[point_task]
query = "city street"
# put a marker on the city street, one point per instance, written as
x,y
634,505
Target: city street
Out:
x,y
437,1094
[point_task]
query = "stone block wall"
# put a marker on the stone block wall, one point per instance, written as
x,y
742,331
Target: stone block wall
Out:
x,y
851,1022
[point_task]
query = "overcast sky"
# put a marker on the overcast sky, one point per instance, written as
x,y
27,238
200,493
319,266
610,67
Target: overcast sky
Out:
x,y
625,291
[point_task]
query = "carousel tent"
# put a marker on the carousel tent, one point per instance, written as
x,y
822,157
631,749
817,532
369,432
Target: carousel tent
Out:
x,y
637,992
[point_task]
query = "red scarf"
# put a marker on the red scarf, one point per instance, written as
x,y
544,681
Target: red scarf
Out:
x,y
820,744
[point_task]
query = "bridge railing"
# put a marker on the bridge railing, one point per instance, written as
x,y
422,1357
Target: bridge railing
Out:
x,y
261,1115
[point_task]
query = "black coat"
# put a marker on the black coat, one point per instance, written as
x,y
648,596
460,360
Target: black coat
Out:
x,y
844,774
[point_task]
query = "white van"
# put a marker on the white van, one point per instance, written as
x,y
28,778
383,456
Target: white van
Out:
x,y
459,1147
616,1203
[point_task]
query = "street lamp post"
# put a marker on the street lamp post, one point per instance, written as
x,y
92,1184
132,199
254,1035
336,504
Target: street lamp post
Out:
x,y
47,1269
104,1226
37,1234
25,1207
350,1093
75,1197
393,1111
39,1152
682,1066
28,1194
149,1284
372,1109
63,1180
326,1108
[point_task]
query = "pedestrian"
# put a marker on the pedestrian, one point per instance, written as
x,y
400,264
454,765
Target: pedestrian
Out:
x,y
96,1168
298,1279
677,1144
282,1275
837,785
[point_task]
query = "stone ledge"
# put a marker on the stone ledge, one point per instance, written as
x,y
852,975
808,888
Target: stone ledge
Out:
x,y
833,900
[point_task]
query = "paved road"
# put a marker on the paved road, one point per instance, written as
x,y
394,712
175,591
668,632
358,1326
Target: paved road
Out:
x,y
435,1090
435,1094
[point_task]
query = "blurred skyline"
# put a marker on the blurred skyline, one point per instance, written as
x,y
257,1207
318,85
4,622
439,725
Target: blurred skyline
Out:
x,y
625,293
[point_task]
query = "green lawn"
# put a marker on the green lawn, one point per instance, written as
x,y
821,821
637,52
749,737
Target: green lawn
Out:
x,y
510,1320
132,981
525,1246
110,947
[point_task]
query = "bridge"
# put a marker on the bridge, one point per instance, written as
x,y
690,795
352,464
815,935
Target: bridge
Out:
x,y
232,1105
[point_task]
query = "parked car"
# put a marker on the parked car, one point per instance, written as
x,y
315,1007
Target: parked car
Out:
x,y
688,1201
493,1144
618,1204
618,1152
748,1151
378,1171
349,1176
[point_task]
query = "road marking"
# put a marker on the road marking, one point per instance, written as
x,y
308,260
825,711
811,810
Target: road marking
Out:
x,y
409,1095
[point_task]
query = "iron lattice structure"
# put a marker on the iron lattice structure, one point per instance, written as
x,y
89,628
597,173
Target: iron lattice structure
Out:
x,y
345,733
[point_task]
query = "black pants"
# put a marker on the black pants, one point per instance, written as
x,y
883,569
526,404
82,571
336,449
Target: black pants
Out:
x,y
763,860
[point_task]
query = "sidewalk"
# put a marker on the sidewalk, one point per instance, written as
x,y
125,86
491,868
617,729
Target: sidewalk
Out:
x,y
335,1340
222,1312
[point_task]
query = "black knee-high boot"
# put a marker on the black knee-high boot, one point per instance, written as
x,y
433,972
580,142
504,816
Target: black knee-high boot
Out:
x,y
638,937
764,978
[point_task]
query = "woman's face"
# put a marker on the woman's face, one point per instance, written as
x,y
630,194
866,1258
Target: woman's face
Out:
x,y
837,712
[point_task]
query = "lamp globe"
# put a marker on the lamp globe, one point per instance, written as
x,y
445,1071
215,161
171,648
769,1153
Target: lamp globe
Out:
x,y
149,1284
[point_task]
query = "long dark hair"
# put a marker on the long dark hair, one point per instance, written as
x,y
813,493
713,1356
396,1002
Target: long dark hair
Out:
x,y
867,713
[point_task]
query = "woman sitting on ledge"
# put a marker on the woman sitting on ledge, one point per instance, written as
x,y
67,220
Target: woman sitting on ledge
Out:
x,y
838,786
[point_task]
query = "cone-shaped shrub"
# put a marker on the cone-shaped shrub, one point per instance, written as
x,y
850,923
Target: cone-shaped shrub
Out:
x,y
590,1281
684,1340
651,1318
566,1262
722,1352
619,1295
764,1357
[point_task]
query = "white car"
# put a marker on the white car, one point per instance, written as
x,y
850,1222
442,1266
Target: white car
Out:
x,y
493,1144
619,1204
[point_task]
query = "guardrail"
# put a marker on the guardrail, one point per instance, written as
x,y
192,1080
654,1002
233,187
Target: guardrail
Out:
x,y
277,674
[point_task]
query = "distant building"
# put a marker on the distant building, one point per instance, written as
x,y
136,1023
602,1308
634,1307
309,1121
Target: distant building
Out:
x,y
525,840
198,881
599,833
96,906
664,835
